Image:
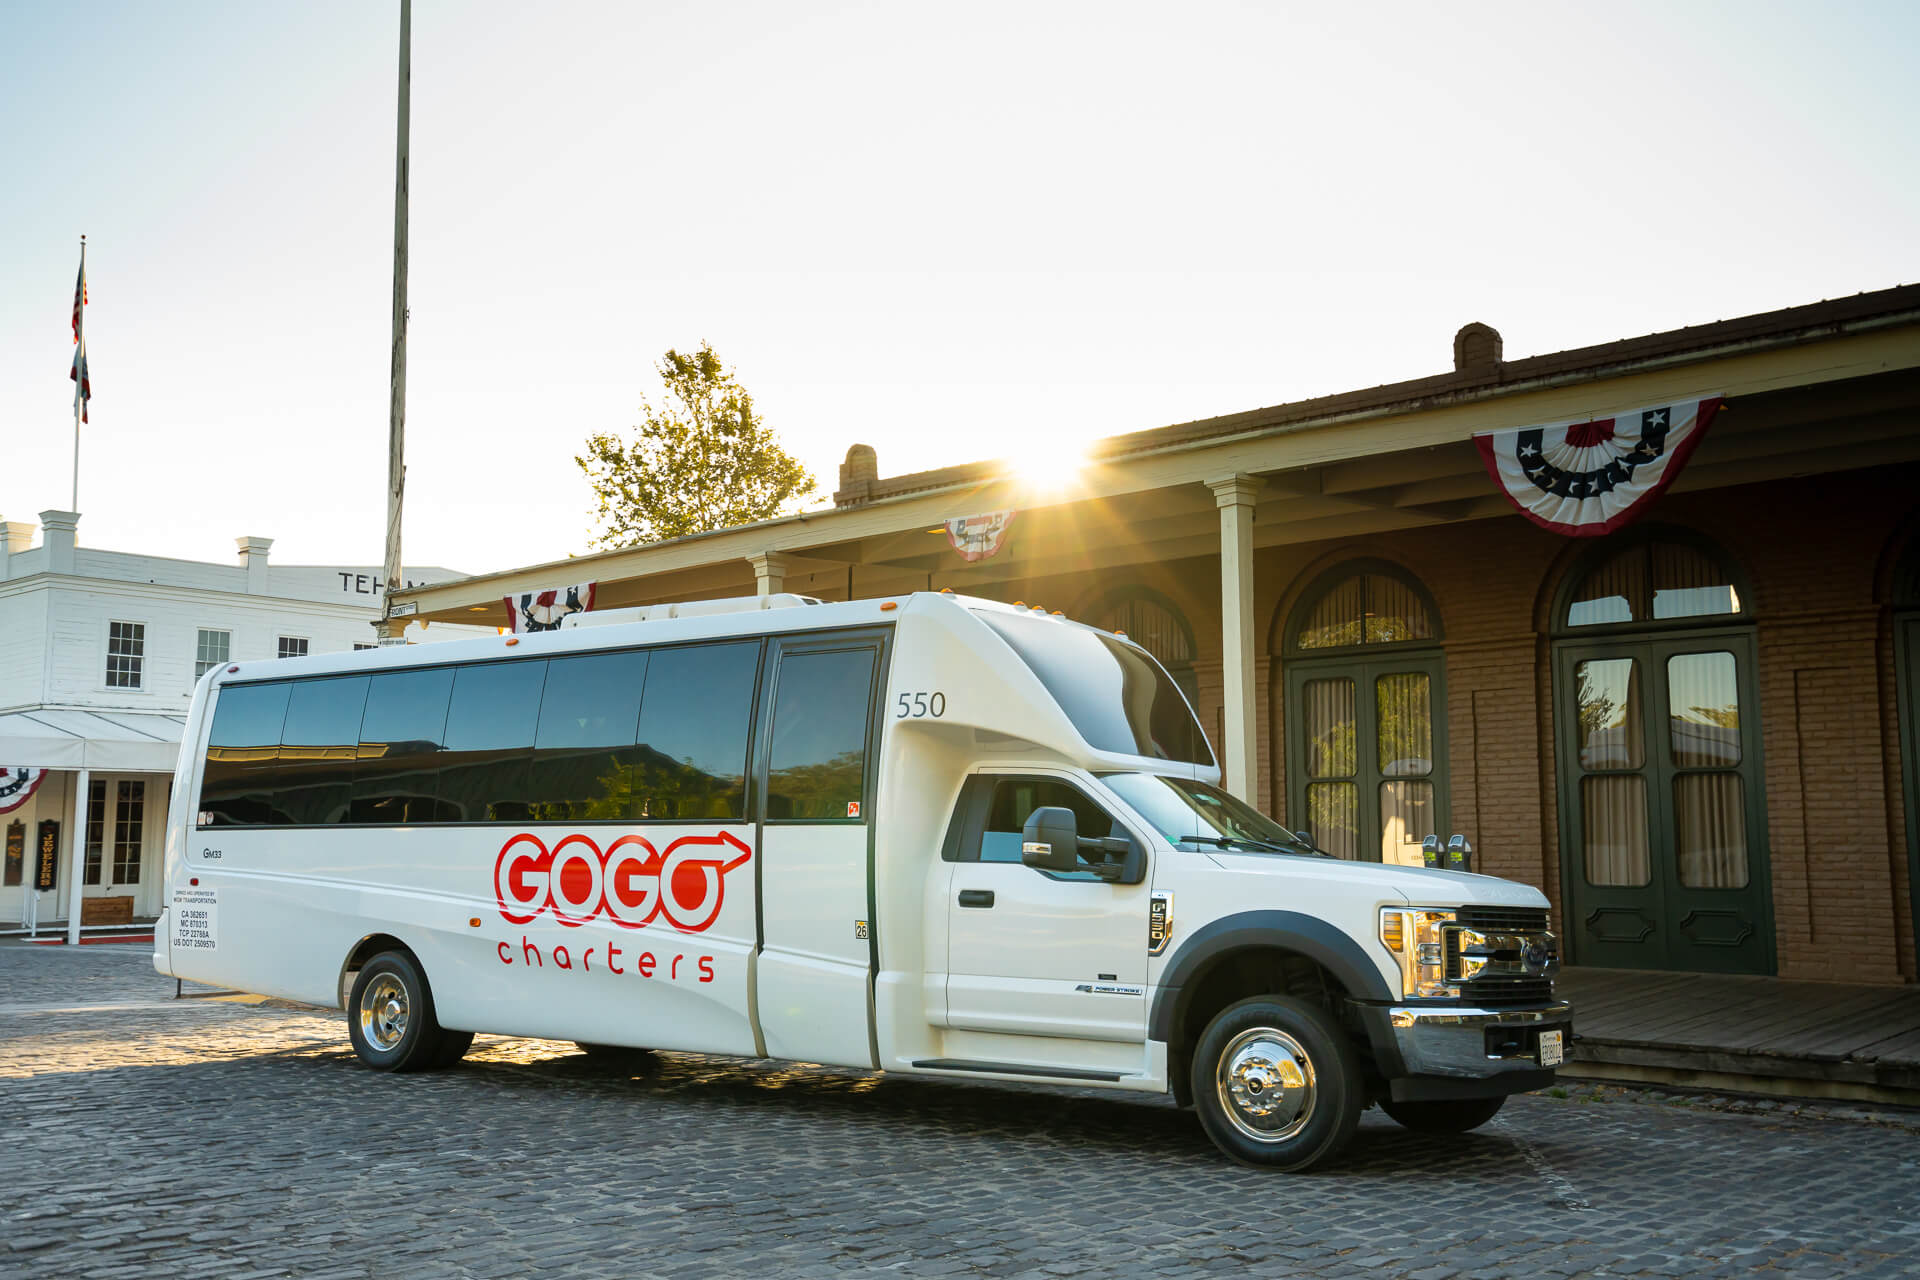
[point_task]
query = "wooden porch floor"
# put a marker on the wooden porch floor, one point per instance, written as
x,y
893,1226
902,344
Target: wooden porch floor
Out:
x,y
1816,1038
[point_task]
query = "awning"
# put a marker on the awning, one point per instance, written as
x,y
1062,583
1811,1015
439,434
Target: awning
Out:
x,y
129,741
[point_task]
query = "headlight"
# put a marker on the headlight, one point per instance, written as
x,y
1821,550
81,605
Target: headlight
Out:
x,y
1413,935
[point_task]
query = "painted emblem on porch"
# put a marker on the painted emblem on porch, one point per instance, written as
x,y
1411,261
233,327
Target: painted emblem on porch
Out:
x,y
17,785
977,537
1585,479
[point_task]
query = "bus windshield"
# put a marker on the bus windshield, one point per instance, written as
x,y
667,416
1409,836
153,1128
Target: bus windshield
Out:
x,y
1115,694
1195,814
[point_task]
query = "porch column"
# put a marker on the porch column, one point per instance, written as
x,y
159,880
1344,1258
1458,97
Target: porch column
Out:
x,y
769,572
1234,495
77,838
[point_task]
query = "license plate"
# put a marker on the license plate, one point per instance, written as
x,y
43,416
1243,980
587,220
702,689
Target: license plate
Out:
x,y
1552,1048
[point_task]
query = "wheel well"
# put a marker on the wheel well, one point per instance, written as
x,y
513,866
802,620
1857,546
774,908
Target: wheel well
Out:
x,y
364,950
1235,976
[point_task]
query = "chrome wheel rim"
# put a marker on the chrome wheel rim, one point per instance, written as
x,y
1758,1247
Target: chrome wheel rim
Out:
x,y
383,1012
1266,1084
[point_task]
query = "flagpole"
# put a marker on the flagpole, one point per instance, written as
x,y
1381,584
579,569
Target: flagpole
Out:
x,y
397,406
79,383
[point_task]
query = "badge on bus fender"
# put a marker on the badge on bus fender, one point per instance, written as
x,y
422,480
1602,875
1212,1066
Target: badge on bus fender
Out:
x,y
1159,921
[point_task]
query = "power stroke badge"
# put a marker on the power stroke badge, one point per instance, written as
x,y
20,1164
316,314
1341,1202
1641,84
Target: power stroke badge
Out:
x,y
1159,921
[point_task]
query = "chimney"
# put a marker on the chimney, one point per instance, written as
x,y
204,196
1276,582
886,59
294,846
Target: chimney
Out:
x,y
253,558
59,534
1477,351
858,475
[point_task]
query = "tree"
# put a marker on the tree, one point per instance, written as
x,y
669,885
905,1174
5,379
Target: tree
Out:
x,y
701,460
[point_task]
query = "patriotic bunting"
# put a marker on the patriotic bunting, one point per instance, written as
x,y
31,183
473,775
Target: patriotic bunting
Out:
x,y
977,537
17,786
542,610
1585,479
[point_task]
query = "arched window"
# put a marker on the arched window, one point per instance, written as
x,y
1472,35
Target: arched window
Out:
x,y
1365,714
1155,624
1661,810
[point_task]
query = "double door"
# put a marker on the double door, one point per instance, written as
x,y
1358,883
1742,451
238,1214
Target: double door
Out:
x,y
1661,813
1366,750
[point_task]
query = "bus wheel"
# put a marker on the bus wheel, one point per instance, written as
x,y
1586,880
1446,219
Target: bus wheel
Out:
x,y
1276,1084
390,1015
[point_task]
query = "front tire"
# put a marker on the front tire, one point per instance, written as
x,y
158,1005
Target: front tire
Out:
x,y
1276,1083
390,1016
1454,1115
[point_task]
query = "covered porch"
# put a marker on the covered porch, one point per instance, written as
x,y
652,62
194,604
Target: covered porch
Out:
x,y
84,841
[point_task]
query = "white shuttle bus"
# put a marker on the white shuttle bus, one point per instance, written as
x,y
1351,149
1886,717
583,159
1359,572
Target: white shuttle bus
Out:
x,y
928,834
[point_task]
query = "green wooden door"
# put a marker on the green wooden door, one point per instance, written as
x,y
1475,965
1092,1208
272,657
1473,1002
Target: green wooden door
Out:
x,y
1367,754
1662,820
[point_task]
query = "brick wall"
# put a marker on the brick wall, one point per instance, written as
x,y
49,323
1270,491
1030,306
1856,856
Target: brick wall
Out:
x,y
1812,552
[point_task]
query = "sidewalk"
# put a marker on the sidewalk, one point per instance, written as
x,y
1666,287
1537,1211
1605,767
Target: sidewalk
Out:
x,y
1745,1034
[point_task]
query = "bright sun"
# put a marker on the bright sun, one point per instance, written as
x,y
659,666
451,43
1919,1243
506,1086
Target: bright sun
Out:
x,y
1049,465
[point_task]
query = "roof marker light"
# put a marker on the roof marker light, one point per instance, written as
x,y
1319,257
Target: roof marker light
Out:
x,y
890,604
513,639
231,670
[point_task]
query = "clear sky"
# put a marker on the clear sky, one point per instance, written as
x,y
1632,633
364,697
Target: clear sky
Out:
x,y
949,231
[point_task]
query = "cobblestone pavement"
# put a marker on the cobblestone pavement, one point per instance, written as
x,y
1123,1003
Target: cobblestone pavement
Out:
x,y
201,1138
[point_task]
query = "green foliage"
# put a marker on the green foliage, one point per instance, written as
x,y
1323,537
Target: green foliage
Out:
x,y
700,460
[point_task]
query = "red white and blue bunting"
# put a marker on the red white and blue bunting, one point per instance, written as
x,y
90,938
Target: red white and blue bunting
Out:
x,y
17,786
977,537
542,610
1585,479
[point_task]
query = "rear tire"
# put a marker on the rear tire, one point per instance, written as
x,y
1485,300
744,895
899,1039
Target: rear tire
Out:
x,y
390,1015
1276,1084
1454,1115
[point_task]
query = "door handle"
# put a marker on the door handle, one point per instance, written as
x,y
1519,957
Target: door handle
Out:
x,y
976,897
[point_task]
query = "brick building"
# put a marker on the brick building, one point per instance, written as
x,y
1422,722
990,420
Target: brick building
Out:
x,y
1699,734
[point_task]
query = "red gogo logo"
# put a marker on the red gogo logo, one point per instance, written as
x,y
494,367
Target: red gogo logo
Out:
x,y
630,883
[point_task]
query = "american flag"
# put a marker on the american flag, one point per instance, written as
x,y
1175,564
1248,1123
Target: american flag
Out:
x,y
79,298
84,391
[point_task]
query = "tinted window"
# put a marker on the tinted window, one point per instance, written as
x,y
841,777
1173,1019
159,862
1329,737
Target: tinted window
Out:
x,y
816,763
318,746
243,753
1015,799
691,761
400,740
1116,695
487,761
583,766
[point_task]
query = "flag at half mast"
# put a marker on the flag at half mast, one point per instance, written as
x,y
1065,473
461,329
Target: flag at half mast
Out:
x,y
82,386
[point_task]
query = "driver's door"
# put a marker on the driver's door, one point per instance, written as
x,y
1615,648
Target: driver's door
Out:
x,y
1061,954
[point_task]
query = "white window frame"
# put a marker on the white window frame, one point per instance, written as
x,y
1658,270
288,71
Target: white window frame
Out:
x,y
202,665
280,645
139,670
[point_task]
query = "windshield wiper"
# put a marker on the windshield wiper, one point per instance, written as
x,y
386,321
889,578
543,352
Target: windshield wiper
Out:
x,y
1230,842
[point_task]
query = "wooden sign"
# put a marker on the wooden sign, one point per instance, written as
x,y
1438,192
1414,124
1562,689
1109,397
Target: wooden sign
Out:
x,y
46,861
16,852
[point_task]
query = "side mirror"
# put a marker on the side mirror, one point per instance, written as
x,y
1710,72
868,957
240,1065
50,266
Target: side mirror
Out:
x,y
1051,840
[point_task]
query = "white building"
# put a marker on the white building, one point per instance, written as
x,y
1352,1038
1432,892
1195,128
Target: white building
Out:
x,y
99,651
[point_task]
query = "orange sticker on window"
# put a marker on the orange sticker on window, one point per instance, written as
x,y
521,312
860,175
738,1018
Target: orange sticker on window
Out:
x,y
853,808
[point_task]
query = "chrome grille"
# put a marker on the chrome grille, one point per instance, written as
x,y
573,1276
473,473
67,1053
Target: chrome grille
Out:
x,y
1503,919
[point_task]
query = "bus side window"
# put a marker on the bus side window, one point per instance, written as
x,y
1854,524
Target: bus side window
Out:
x,y
583,750
317,750
691,762
486,771
397,777
243,755
817,760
